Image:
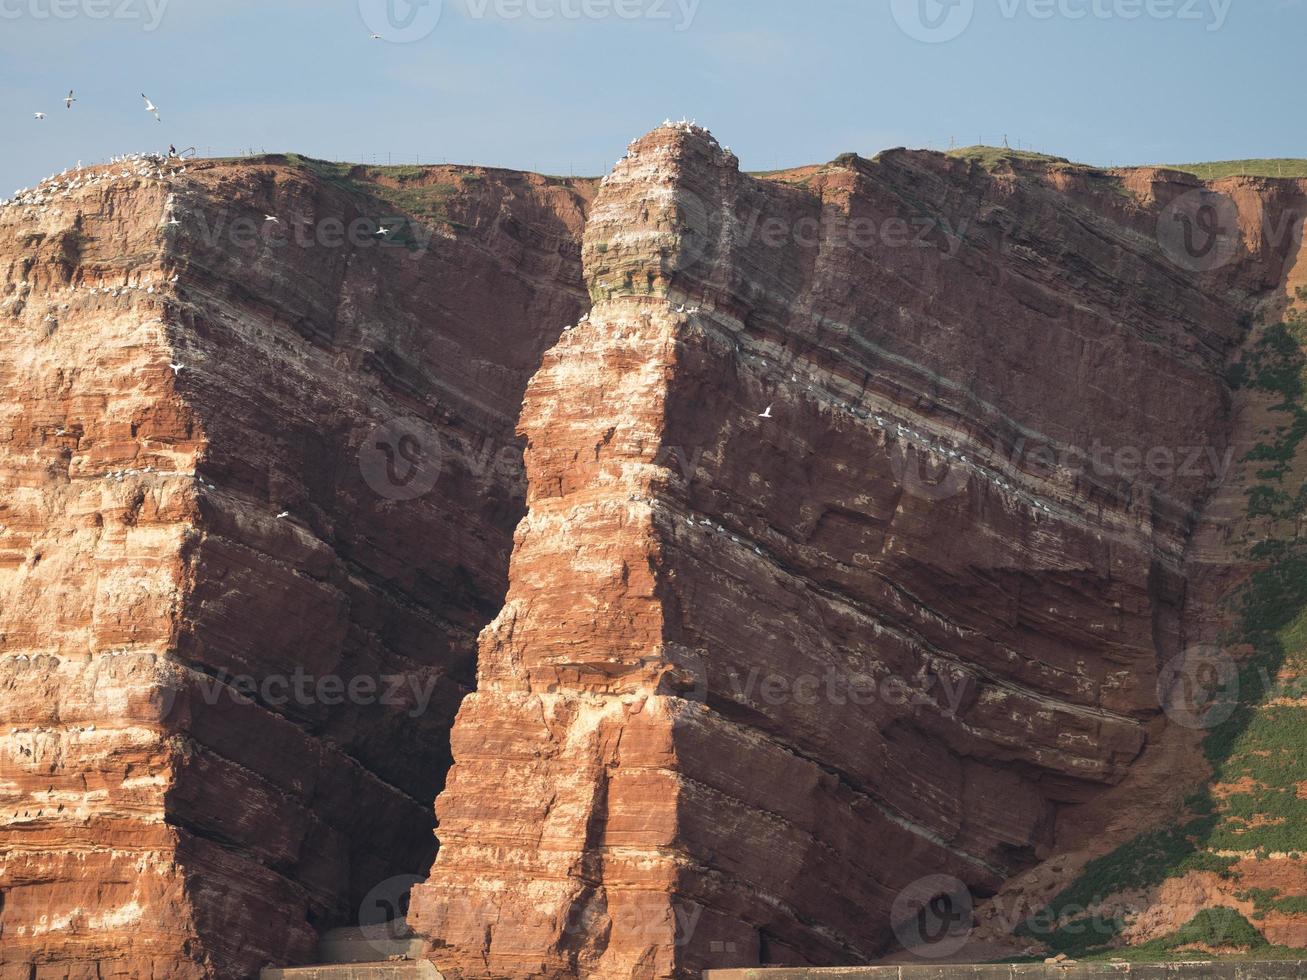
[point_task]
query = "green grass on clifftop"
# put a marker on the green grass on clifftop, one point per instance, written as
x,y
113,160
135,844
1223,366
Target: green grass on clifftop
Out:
x,y
996,157
1258,754
1243,168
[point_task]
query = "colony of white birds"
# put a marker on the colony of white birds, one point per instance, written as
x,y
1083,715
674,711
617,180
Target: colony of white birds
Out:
x,y
131,166
154,166
926,444
687,126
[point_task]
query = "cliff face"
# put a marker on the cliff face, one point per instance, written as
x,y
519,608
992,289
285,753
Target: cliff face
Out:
x,y
259,482
856,538
861,514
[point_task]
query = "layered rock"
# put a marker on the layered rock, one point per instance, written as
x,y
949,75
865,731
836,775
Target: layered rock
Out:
x,y
860,515
856,538
258,479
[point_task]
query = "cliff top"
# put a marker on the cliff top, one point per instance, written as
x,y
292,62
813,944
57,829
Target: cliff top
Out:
x,y
1276,167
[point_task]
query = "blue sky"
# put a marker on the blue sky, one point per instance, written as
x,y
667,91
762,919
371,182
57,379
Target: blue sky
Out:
x,y
561,85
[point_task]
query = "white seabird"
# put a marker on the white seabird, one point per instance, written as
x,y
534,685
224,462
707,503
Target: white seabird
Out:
x,y
38,115
69,100
767,414
177,368
151,107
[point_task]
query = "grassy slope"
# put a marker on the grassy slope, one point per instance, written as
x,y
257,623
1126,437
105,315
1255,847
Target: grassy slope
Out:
x,y
1244,168
994,157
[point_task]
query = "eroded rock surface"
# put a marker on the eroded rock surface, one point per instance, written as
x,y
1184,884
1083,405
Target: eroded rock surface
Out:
x,y
234,448
845,563
858,517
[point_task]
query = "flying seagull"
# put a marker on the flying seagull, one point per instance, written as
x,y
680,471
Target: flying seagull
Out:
x,y
381,232
177,368
68,102
271,217
283,515
38,115
767,414
151,107
377,37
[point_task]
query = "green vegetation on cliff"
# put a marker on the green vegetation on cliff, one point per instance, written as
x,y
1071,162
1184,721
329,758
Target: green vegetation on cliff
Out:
x,y
998,157
1244,168
1258,753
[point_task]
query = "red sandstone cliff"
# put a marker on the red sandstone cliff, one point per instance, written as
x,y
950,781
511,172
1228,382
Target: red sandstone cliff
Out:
x,y
194,489
757,675
746,677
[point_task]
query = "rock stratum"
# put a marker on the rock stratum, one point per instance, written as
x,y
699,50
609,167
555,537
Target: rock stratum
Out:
x,y
864,510
212,438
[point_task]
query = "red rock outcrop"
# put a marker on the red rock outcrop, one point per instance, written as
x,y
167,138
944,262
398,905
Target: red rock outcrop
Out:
x,y
250,472
856,536
857,517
